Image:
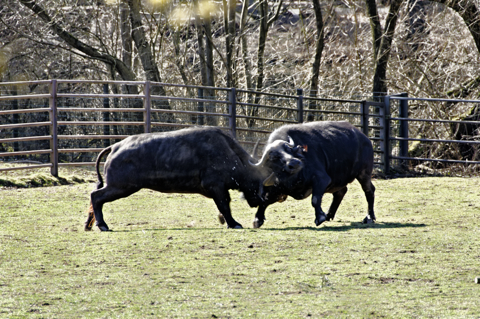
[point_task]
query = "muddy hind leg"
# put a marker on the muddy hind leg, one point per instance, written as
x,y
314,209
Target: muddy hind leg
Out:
x,y
369,190
90,213
90,218
221,198
337,199
221,219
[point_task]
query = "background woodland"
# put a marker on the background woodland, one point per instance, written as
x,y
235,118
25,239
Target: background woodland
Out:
x,y
346,48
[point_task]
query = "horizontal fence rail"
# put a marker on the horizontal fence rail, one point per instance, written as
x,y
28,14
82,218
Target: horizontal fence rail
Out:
x,y
59,123
456,141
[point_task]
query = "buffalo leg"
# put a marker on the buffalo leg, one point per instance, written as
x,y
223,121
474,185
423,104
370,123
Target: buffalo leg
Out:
x,y
337,199
318,189
90,218
222,200
221,219
102,196
369,190
259,216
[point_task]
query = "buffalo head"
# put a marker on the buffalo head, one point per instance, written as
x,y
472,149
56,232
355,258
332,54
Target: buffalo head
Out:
x,y
283,159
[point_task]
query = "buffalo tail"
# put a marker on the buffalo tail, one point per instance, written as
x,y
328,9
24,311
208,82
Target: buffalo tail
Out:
x,y
97,165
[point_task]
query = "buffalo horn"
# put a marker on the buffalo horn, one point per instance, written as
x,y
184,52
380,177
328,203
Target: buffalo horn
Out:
x,y
255,149
270,180
290,143
259,163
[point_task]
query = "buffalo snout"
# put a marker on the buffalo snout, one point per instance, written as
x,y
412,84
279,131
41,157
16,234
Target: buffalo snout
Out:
x,y
293,166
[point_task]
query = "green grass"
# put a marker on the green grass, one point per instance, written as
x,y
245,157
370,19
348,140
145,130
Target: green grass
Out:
x,y
42,177
168,257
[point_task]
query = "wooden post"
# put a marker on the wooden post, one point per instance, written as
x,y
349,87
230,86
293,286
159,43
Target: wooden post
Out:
x,y
106,115
53,128
15,119
364,109
300,105
147,105
403,145
233,112
201,108
385,134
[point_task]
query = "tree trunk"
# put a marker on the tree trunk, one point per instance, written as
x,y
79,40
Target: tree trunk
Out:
x,y
243,39
178,59
262,39
318,57
143,47
229,19
375,26
126,33
201,47
147,59
209,53
205,52
382,52
265,24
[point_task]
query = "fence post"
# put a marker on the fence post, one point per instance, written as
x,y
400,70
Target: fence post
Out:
x,y
147,105
385,134
53,128
364,109
15,119
233,112
403,145
106,115
201,108
300,105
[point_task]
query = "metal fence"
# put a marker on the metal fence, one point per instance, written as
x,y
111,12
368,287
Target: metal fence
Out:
x,y
66,123
447,135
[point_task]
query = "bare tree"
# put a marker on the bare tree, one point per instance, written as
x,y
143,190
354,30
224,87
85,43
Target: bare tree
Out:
x,y
247,66
319,44
125,72
382,42
143,47
229,7
266,21
470,13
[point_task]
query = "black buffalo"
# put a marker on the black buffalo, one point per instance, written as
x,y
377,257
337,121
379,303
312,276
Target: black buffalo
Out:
x,y
317,158
206,161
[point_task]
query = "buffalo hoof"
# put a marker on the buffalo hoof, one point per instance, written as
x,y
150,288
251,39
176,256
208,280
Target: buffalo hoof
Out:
x,y
368,220
89,224
257,223
221,219
320,219
330,217
103,227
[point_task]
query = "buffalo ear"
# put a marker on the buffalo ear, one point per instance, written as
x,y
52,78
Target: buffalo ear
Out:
x,y
270,180
300,149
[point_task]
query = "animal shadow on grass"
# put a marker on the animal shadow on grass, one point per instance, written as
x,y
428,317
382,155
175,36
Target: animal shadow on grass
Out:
x,y
163,229
353,225
325,228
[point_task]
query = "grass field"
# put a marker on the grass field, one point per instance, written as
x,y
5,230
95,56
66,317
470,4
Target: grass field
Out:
x,y
168,257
